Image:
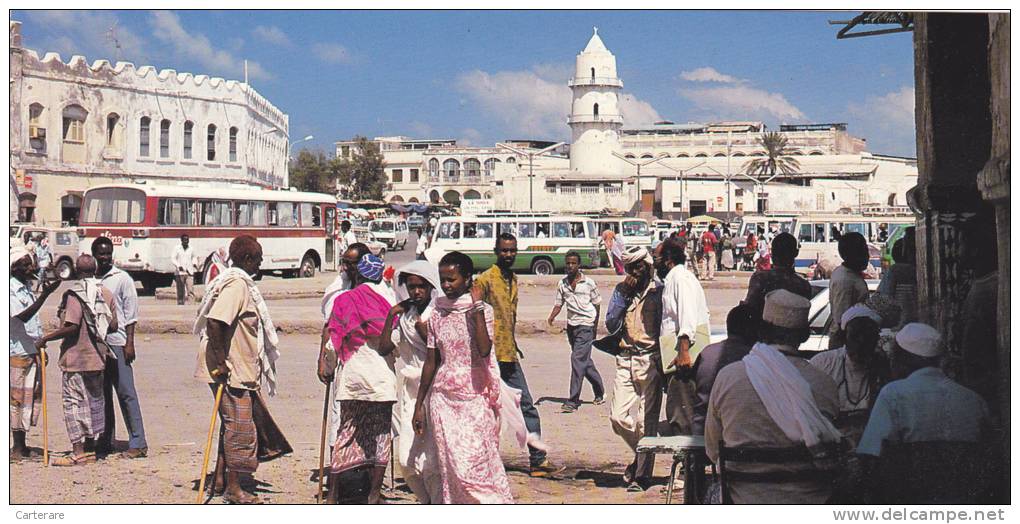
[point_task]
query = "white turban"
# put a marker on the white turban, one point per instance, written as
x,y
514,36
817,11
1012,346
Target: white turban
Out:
x,y
859,311
18,253
920,339
636,254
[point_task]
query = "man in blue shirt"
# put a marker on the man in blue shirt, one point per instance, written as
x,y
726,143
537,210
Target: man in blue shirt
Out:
x,y
25,329
120,374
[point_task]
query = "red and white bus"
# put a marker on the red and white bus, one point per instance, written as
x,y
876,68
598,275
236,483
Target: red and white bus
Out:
x,y
145,222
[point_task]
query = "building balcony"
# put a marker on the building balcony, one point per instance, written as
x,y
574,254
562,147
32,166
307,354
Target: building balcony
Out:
x,y
596,81
462,177
595,119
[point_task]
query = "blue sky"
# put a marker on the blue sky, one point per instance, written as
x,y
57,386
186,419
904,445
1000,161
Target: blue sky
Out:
x,y
484,76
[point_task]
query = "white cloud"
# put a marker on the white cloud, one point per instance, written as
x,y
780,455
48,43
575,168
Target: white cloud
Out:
x,y
742,102
272,35
420,129
93,34
536,102
470,137
887,121
332,53
708,74
167,28
637,112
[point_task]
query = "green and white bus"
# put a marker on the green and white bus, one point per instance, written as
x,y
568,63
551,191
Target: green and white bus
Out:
x,y
633,231
543,240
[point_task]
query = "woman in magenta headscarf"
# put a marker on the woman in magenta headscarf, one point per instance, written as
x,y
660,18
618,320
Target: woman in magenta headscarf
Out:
x,y
367,386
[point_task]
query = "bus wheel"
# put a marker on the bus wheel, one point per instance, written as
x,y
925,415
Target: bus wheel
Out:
x,y
542,267
307,268
64,270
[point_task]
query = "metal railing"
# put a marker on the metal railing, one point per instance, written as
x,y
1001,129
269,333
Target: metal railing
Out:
x,y
612,119
596,81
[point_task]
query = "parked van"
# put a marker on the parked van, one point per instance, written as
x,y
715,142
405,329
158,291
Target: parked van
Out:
x,y
543,240
818,235
63,244
390,231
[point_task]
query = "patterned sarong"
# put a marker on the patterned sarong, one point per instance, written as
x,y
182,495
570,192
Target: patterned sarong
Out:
x,y
248,433
26,393
84,413
364,436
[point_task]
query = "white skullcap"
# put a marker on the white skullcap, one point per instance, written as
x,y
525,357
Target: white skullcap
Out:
x,y
18,253
920,339
786,309
859,311
637,254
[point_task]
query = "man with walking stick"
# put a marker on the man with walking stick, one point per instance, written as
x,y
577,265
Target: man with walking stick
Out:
x,y
25,328
237,353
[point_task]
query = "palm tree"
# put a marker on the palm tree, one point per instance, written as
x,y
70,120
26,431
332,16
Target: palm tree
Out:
x,y
777,158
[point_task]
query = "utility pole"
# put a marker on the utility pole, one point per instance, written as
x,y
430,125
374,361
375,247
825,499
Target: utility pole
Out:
x,y
638,165
729,209
679,177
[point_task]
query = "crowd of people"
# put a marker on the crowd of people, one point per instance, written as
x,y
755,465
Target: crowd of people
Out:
x,y
427,364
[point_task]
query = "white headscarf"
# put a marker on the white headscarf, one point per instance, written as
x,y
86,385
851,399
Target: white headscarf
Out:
x,y
18,253
423,269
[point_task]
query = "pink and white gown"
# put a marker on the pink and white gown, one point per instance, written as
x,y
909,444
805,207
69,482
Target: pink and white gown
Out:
x,y
464,408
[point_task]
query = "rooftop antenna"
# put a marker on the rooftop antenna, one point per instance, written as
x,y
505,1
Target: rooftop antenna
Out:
x,y
111,35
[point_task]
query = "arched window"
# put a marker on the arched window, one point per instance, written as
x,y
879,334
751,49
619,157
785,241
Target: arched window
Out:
x,y
738,153
663,155
647,155
816,153
719,155
511,160
189,128
36,128
701,155
434,196
433,167
451,197
233,144
593,73
683,155
73,145
629,155
114,133
595,110
472,167
471,194
143,136
210,143
164,139
490,166
451,168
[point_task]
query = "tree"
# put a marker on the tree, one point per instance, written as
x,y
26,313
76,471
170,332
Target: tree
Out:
x,y
361,177
777,158
310,171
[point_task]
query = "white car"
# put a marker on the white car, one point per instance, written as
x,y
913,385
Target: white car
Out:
x,y
392,232
818,317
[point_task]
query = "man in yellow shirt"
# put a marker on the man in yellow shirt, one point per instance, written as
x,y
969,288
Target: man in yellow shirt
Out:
x,y
498,287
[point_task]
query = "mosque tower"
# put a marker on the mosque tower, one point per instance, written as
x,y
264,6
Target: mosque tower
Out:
x,y
595,119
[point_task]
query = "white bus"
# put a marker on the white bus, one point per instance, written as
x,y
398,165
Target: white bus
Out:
x,y
818,234
543,240
145,223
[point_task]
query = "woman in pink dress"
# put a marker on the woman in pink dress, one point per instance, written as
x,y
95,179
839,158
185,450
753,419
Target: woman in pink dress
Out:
x,y
461,385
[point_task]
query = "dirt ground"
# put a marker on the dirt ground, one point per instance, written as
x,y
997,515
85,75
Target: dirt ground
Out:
x,y
176,410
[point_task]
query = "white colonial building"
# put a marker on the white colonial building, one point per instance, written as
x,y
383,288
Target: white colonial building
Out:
x,y
664,169
76,125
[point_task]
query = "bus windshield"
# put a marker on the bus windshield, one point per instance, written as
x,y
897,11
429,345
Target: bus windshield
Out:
x,y
635,228
113,205
376,227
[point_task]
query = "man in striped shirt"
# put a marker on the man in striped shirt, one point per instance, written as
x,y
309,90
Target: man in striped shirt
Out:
x,y
581,296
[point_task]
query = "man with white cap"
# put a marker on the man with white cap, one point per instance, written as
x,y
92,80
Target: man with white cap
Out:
x,y
858,368
635,311
25,329
774,399
924,405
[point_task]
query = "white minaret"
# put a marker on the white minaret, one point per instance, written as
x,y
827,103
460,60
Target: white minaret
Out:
x,y
595,119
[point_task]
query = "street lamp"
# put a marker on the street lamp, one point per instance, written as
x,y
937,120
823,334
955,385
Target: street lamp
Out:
x,y
531,167
680,178
290,150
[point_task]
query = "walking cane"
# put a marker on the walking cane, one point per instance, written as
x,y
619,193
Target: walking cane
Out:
x,y
322,443
208,441
45,418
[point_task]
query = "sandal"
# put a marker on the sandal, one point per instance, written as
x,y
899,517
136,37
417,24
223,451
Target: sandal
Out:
x,y
245,498
71,460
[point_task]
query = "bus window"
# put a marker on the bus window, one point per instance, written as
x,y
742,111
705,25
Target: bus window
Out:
x,y
307,214
634,228
542,230
484,231
527,230
577,229
856,227
449,230
508,227
272,214
592,229
214,213
805,234
258,214
561,230
114,206
819,233
176,212
835,232
242,213
287,213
